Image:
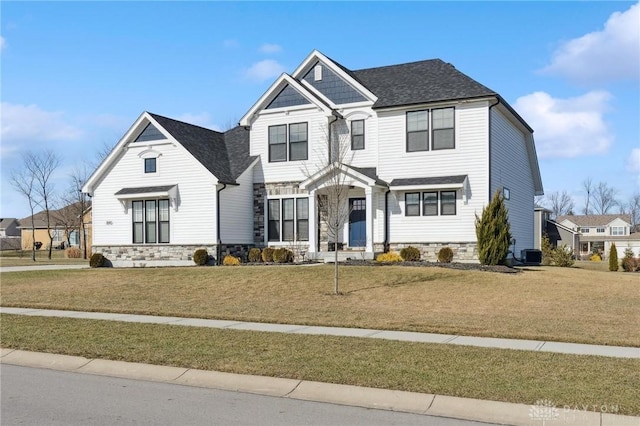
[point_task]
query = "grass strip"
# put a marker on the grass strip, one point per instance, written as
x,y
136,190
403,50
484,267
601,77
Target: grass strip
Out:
x,y
555,304
493,374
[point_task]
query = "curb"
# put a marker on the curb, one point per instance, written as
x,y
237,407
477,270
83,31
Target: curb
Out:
x,y
382,399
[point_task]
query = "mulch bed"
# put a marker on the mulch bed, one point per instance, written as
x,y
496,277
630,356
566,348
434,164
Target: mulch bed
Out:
x,y
454,265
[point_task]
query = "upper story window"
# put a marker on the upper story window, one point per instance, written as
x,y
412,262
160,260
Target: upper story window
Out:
x,y
150,165
600,230
357,135
443,128
417,131
618,230
442,135
296,137
584,230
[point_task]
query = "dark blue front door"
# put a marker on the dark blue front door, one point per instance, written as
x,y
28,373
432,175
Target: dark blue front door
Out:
x,y
357,222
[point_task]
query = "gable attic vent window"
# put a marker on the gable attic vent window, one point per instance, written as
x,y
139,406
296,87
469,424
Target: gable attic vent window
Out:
x,y
150,133
317,72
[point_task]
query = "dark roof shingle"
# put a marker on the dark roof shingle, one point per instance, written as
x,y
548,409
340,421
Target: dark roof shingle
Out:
x,y
419,82
436,180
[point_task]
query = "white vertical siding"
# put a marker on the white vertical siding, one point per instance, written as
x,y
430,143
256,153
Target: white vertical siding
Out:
x,y
510,168
470,157
236,211
193,223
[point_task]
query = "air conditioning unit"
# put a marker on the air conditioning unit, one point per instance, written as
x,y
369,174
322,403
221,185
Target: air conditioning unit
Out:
x,y
531,256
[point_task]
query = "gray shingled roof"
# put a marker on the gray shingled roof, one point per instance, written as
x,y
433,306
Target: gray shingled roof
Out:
x,y
370,172
437,180
144,190
594,219
56,217
419,82
225,155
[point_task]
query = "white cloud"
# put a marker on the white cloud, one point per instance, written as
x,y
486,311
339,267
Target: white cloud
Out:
x,y
269,48
202,119
30,124
569,127
600,56
264,70
633,164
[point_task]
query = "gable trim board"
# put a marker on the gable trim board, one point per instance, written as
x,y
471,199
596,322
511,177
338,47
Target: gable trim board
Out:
x,y
222,182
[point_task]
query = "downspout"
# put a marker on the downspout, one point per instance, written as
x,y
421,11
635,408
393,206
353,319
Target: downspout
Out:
x,y
385,246
489,147
219,245
335,116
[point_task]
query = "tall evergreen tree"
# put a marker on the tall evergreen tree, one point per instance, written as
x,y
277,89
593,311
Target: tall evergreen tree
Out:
x,y
493,232
613,258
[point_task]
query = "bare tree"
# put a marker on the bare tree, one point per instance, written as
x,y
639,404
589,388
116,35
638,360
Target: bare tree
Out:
x,y
23,181
561,203
632,208
587,184
333,203
604,198
78,200
42,165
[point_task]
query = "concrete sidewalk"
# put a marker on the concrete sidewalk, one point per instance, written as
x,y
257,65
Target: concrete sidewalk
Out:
x,y
410,402
487,342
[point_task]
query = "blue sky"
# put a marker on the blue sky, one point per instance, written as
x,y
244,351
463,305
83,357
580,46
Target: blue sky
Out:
x,y
76,75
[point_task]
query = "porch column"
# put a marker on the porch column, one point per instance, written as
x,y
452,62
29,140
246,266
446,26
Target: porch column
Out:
x,y
368,192
313,225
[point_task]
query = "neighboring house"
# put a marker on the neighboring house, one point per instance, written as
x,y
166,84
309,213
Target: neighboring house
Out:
x,y
9,234
64,224
427,149
557,233
598,232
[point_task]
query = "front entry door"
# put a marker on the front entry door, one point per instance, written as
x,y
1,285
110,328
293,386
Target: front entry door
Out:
x,y
357,222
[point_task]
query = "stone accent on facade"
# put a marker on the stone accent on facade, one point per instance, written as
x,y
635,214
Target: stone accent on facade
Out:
x,y
462,252
259,195
166,254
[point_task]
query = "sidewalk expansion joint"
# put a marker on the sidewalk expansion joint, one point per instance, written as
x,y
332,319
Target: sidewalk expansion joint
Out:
x,y
450,340
286,395
539,347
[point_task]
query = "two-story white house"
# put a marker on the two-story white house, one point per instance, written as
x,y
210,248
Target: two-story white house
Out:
x,y
420,149
598,232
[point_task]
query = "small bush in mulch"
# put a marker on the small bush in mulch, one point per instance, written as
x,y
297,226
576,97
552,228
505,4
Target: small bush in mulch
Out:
x,y
461,266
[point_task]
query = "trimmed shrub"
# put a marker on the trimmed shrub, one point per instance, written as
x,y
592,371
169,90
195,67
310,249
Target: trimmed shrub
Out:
x,y
493,232
595,258
613,258
445,255
255,255
630,264
201,257
97,260
410,254
389,257
230,261
282,255
267,254
73,253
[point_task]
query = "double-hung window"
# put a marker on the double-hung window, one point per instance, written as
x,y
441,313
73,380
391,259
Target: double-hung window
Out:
x,y
357,135
288,219
150,221
291,140
278,143
432,203
442,128
442,134
417,131
150,165
618,230
412,203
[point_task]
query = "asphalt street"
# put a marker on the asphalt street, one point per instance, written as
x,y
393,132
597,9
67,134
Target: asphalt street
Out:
x,y
46,397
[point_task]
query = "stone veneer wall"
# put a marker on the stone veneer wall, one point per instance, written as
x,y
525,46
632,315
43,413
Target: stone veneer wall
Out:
x,y
166,254
462,252
259,196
